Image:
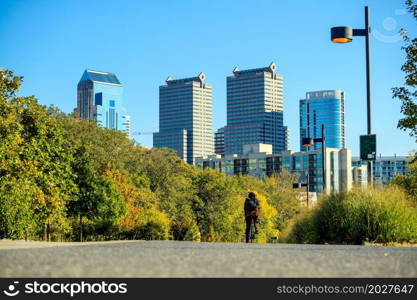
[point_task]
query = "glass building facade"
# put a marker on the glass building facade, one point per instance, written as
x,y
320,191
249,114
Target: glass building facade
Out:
x,y
185,117
286,138
323,108
254,109
219,141
100,98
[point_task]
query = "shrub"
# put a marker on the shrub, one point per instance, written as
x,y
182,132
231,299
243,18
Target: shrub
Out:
x,y
154,225
266,219
300,229
374,215
185,231
17,218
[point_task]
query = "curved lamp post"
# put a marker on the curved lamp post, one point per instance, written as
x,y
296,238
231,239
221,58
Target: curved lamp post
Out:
x,y
345,34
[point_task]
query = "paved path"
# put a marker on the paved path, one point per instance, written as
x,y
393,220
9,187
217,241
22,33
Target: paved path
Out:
x,y
188,259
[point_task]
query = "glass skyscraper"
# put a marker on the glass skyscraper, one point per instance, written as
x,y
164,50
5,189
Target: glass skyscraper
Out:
x,y
100,98
185,117
323,107
254,109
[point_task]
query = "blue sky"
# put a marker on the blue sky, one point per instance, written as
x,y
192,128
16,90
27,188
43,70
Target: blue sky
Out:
x,y
50,43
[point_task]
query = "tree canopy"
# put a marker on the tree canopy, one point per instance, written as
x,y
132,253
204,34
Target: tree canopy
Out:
x,y
62,178
407,94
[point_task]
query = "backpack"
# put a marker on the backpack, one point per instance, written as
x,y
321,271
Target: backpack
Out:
x,y
251,204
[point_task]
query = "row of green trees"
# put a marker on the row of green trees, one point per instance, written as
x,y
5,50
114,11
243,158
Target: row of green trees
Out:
x,y
67,179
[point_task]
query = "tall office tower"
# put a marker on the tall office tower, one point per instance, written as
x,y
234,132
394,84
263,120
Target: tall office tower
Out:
x,y
219,141
254,109
323,107
185,117
100,98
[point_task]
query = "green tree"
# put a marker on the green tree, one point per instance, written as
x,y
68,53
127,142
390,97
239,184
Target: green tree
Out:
x,y
17,218
279,192
34,154
84,204
105,146
217,207
97,199
283,197
408,97
408,181
171,181
111,207
407,94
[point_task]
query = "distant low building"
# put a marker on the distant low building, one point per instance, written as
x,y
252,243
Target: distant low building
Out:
x,y
257,160
385,168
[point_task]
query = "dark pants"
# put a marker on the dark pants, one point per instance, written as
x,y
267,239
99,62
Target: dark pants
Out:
x,y
248,223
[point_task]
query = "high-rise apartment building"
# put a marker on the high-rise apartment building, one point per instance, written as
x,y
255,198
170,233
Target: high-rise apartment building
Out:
x,y
185,117
254,109
100,98
219,141
323,107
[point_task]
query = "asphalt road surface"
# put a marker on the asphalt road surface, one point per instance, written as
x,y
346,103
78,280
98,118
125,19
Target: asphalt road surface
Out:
x,y
189,259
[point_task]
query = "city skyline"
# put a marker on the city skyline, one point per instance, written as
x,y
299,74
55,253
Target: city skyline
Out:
x,y
309,63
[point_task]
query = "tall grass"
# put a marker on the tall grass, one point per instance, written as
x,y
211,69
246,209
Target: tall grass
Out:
x,y
374,215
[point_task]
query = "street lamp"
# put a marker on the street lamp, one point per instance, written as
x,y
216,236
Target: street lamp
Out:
x,y
344,34
308,142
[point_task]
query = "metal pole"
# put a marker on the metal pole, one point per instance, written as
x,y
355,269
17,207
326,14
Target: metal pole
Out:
x,y
308,175
308,185
323,153
368,85
368,69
